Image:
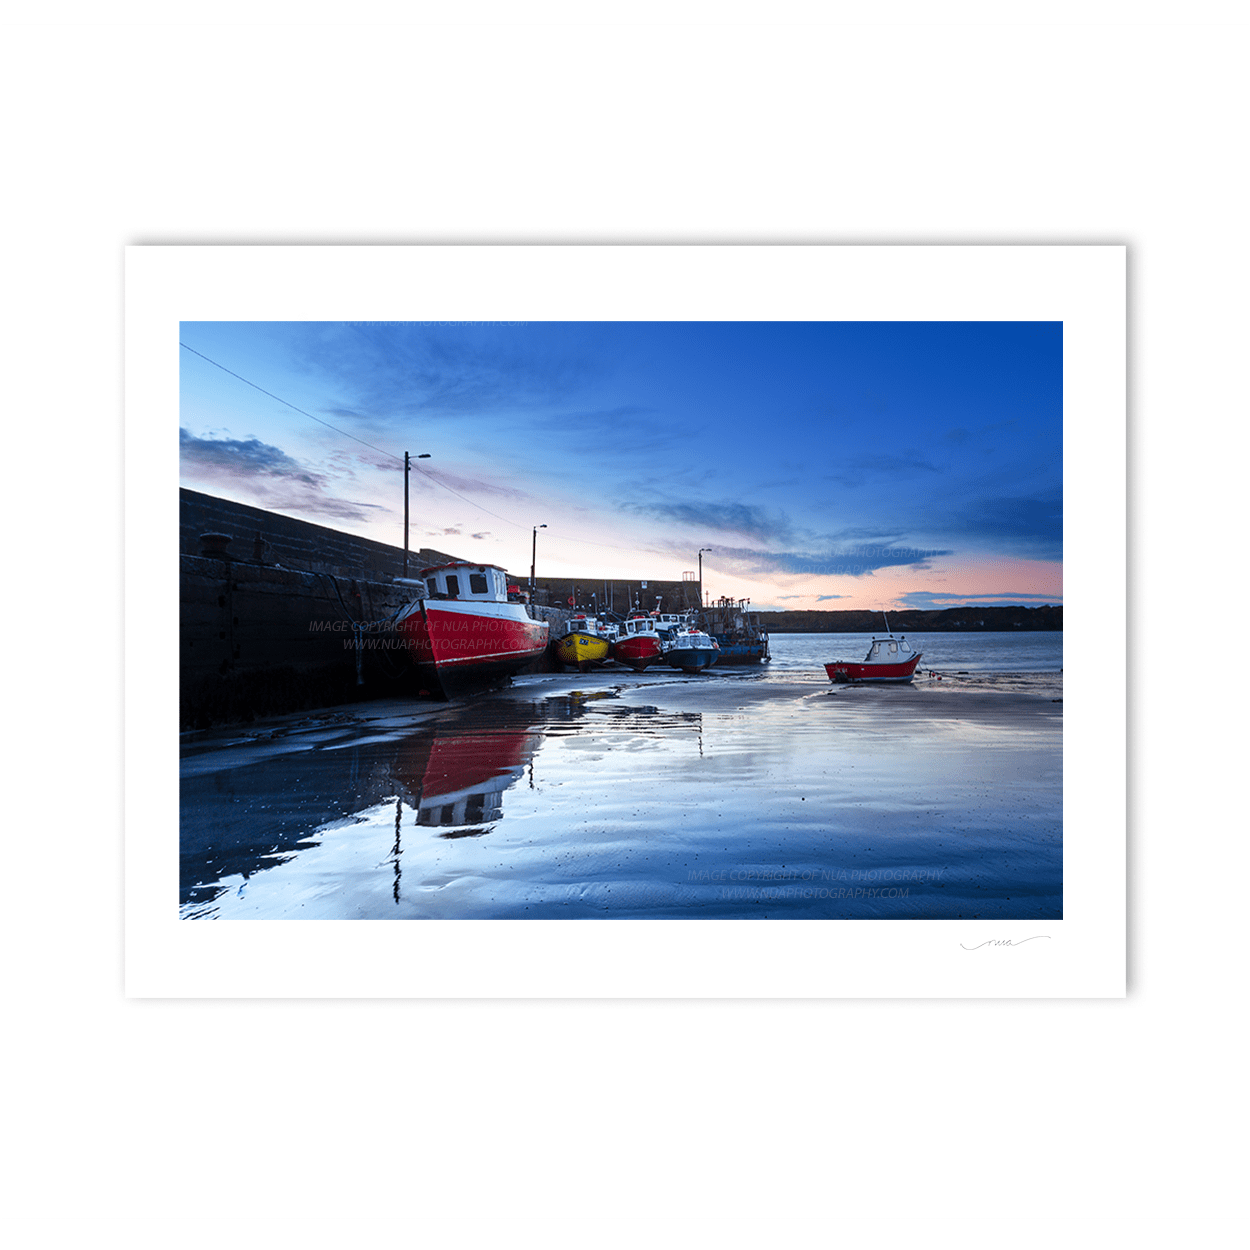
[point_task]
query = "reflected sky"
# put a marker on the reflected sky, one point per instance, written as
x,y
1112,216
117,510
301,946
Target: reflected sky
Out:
x,y
754,795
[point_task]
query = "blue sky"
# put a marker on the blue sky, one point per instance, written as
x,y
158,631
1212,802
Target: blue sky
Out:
x,y
839,465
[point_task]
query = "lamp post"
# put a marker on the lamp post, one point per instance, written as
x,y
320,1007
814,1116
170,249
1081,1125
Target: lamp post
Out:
x,y
425,455
534,559
701,551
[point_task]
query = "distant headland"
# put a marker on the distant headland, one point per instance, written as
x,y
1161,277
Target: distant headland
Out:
x,y
948,620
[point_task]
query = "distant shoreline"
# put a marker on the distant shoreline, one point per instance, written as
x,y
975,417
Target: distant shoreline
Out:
x,y
987,620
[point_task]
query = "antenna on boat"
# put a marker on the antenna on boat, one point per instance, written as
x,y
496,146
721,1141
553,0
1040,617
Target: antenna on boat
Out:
x,y
886,619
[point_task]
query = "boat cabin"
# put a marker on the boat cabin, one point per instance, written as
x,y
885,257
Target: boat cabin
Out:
x,y
888,651
481,582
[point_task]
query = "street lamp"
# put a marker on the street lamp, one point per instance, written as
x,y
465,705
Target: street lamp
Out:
x,y
425,455
701,551
534,559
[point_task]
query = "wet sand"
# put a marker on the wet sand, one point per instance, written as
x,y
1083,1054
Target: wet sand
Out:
x,y
744,794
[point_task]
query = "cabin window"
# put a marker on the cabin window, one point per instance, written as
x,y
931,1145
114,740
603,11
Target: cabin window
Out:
x,y
893,648
432,583
453,585
477,584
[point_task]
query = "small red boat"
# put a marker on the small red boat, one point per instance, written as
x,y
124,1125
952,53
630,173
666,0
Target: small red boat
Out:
x,y
888,659
638,644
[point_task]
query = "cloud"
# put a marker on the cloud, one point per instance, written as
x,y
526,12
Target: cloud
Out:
x,y
266,475
850,562
345,461
862,535
241,456
484,534
472,484
859,469
436,371
819,598
926,600
747,520
1022,524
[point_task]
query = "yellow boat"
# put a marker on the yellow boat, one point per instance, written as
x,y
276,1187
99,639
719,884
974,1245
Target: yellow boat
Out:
x,y
583,647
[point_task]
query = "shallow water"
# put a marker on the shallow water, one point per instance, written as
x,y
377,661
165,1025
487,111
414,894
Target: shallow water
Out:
x,y
759,792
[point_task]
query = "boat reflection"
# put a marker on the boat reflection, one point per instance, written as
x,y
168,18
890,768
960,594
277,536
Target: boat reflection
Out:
x,y
456,781
261,809
260,806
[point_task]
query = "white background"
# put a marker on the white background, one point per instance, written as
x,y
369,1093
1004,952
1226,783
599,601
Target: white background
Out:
x,y
324,1123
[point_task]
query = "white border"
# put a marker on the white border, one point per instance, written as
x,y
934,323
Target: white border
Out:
x,y
1084,287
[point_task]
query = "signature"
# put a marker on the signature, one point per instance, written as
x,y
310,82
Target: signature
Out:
x,y
1004,942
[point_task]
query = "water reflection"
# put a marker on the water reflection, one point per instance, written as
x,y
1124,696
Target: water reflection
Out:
x,y
261,803
717,800
456,780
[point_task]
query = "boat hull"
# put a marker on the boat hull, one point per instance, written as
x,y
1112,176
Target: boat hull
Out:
x,y
741,652
458,646
638,651
691,659
582,651
847,672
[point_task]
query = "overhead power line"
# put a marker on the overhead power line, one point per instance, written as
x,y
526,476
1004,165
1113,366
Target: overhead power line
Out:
x,y
399,459
288,404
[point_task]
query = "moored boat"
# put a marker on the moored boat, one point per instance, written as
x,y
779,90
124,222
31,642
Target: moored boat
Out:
x,y
888,659
638,643
462,632
687,648
739,637
585,645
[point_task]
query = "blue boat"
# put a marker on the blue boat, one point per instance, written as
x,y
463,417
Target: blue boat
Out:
x,y
687,648
738,634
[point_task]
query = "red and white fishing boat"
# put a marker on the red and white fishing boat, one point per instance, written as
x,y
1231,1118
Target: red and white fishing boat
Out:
x,y
638,644
462,631
888,659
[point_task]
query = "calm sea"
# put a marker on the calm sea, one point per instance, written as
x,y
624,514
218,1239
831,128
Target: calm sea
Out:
x,y
752,792
1024,652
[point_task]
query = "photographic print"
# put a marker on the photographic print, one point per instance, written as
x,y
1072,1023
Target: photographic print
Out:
x,y
651,619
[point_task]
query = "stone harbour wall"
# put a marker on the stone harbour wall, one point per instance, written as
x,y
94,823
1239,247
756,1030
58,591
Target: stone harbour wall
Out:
x,y
292,543
256,640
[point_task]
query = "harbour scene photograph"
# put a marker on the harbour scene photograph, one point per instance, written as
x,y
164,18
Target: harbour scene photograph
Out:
x,y
621,620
